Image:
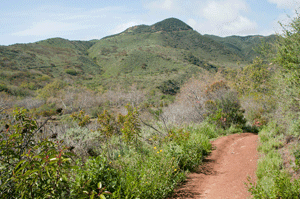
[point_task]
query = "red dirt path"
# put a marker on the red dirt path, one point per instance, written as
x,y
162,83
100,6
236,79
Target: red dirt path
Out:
x,y
224,171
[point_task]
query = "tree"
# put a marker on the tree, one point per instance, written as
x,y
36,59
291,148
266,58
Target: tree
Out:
x,y
288,59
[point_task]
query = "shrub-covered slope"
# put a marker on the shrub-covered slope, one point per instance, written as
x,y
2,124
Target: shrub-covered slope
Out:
x,y
148,56
243,46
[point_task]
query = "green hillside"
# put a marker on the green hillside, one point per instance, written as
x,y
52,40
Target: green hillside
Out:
x,y
170,33
148,56
45,60
243,46
50,55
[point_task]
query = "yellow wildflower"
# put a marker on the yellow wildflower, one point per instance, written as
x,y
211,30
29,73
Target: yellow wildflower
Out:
x,y
175,169
160,150
155,147
157,151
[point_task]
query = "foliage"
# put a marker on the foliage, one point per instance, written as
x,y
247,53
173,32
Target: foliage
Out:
x,y
127,125
46,110
282,187
222,105
288,52
273,180
169,87
108,124
287,58
81,118
71,72
196,61
89,175
3,87
253,78
130,126
30,168
256,90
153,169
50,90
187,148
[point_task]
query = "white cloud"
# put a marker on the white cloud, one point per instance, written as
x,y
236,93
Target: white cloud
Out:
x,y
224,11
162,5
122,27
46,28
226,17
240,26
291,4
167,5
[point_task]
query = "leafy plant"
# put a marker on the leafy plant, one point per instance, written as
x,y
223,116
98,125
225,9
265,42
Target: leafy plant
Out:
x,y
31,168
130,126
96,174
81,118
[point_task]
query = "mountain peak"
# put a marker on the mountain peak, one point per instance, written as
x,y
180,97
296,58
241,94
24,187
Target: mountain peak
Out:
x,y
167,25
171,24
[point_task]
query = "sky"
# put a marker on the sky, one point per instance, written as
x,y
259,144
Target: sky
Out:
x,y
26,21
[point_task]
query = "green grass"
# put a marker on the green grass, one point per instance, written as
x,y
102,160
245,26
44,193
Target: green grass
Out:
x,y
273,180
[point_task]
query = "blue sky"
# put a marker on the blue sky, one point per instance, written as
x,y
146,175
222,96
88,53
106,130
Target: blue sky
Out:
x,y
24,21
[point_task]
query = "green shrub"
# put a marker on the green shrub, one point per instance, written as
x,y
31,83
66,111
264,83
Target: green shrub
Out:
x,y
46,110
280,186
3,87
152,176
128,125
223,106
51,89
88,175
71,72
273,181
190,151
31,168
169,87
81,118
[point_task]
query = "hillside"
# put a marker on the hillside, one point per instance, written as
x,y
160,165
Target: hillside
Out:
x,y
170,33
243,46
149,56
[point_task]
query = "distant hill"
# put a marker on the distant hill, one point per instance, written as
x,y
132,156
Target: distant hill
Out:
x,y
149,56
243,46
53,55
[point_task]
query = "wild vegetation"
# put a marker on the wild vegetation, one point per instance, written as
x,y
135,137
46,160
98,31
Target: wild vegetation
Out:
x,y
130,115
278,168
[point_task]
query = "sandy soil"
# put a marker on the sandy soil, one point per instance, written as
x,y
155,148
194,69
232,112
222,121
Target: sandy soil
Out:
x,y
225,170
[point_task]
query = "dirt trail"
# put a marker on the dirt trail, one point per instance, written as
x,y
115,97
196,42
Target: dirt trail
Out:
x,y
224,171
